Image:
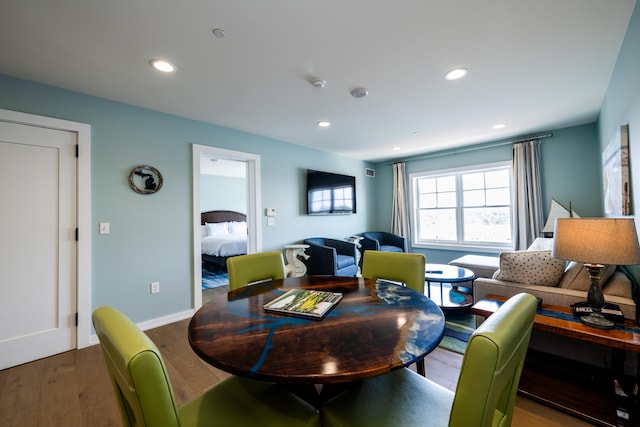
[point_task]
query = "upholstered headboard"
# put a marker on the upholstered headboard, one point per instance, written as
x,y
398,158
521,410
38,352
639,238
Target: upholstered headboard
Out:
x,y
221,216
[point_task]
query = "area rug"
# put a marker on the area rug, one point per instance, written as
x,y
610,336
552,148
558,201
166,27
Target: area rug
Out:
x,y
213,279
458,328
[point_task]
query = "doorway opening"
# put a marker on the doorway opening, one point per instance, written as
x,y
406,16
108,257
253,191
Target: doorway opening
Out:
x,y
231,181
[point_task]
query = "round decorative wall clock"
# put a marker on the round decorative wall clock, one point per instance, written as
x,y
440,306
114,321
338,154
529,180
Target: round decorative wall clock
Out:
x,y
145,179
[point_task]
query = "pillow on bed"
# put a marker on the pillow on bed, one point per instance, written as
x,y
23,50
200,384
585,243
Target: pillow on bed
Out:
x,y
203,231
217,228
238,227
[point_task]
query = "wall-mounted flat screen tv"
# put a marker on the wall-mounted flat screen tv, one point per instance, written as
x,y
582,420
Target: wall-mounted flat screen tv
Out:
x,y
330,193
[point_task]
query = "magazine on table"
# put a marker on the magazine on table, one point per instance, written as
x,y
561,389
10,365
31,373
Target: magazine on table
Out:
x,y
304,302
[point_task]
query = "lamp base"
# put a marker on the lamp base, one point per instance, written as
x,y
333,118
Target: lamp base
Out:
x,y
597,320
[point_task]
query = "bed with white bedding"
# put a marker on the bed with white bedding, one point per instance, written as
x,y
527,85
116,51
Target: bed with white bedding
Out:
x,y
223,234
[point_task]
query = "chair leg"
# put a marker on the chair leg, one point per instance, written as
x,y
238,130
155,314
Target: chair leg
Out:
x,y
420,367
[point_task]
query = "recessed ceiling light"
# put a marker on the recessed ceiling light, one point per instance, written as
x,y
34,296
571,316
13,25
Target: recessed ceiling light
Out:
x,y
219,33
456,73
162,65
500,126
359,92
324,124
396,148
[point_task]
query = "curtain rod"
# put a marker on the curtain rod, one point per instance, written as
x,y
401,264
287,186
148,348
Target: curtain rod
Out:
x,y
464,150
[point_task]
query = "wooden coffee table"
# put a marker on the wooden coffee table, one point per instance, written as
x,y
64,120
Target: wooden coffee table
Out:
x,y
599,405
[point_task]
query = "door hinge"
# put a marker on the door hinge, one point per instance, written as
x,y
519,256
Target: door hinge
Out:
x,y
77,150
76,318
77,234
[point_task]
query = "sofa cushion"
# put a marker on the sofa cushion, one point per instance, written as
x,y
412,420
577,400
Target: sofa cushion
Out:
x,y
389,248
344,261
577,277
541,244
618,285
530,268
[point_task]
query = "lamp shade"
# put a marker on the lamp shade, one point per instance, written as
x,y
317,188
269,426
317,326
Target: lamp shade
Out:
x,y
597,241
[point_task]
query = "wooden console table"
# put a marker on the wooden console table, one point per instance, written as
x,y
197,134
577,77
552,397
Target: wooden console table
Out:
x,y
599,405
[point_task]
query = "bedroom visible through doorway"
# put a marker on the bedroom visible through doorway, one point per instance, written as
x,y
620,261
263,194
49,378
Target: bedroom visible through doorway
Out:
x,y
226,212
223,206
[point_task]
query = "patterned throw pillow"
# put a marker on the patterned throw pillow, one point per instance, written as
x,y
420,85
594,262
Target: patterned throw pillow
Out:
x,y
530,268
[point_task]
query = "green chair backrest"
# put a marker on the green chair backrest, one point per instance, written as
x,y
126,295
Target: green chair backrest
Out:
x,y
246,269
407,268
492,364
138,374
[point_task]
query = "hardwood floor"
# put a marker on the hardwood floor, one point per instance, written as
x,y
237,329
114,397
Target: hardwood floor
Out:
x,y
73,388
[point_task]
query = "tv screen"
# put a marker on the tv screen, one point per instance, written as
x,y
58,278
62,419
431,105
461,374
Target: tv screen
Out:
x,y
330,193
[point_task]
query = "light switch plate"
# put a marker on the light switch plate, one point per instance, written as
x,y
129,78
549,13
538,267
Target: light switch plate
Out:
x,y
104,228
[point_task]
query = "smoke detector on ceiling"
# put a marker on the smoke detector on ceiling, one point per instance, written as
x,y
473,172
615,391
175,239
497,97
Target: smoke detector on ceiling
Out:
x,y
319,83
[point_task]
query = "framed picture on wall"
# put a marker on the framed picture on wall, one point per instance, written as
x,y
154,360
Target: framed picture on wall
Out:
x,y
615,169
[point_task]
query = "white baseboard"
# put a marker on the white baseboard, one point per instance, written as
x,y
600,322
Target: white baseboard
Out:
x,y
155,323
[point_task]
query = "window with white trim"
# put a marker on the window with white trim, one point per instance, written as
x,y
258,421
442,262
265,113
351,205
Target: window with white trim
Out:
x,y
470,207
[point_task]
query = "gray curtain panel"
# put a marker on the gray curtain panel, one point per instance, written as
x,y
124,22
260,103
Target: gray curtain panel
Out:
x,y
528,216
400,214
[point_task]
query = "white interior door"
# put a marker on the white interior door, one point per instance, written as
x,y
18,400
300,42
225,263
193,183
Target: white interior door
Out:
x,y
37,242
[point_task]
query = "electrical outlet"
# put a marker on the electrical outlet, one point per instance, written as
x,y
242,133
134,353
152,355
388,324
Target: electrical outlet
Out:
x,y
155,287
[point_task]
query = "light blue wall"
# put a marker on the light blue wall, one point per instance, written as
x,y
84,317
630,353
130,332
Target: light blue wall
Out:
x,y
622,103
151,235
570,168
622,106
223,193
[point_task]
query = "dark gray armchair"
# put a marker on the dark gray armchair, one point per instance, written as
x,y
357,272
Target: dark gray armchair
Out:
x,y
383,241
330,257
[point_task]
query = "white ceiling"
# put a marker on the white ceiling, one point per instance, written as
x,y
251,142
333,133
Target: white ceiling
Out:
x,y
535,65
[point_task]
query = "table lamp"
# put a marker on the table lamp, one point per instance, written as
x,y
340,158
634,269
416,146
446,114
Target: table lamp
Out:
x,y
595,242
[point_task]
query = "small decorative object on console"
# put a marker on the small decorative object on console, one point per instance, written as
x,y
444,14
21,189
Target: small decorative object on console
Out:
x,y
610,311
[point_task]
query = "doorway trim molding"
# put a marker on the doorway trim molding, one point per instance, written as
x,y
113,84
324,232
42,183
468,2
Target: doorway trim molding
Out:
x,y
254,225
83,205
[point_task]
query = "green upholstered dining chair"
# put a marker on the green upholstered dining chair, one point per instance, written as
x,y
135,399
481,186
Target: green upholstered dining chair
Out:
x,y
403,267
486,390
145,396
407,268
246,269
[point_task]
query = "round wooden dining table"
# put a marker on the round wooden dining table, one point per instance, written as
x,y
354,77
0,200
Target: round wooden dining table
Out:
x,y
376,327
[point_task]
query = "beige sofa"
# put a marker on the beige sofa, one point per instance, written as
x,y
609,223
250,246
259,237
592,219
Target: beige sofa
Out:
x,y
558,283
